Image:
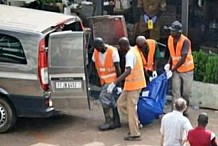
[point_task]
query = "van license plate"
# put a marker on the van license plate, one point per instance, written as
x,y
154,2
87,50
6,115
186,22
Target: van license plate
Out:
x,y
69,85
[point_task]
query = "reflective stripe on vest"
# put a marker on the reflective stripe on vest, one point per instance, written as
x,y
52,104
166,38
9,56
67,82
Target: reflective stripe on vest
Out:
x,y
188,65
106,71
136,80
103,69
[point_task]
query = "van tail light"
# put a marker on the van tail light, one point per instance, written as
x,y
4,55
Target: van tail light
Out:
x,y
43,65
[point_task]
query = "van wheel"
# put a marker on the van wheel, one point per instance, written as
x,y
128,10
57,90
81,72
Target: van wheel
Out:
x,y
7,116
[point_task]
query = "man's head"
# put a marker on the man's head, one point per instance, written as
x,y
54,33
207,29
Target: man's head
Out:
x,y
124,44
141,42
175,29
203,119
99,45
180,104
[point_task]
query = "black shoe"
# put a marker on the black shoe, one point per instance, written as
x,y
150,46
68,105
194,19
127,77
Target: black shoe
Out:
x,y
132,138
106,126
116,125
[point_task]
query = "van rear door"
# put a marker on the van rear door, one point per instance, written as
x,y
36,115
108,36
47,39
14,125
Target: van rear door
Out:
x,y
110,27
67,75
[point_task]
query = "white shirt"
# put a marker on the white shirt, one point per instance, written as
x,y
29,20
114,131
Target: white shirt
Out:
x,y
130,59
212,136
115,57
174,128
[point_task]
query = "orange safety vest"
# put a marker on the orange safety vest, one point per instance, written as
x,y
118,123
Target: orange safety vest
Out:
x,y
106,71
144,62
149,63
150,59
176,54
136,79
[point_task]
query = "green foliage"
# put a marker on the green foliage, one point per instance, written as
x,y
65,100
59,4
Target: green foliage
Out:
x,y
206,67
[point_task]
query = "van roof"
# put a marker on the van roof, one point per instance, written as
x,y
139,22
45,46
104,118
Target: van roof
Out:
x,y
30,19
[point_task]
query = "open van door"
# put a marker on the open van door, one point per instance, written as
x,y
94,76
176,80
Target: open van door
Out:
x,y
67,72
109,27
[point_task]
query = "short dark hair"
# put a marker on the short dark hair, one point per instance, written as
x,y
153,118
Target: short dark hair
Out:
x,y
124,41
202,119
98,42
180,104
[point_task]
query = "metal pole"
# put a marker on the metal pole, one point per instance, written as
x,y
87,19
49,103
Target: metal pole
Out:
x,y
185,13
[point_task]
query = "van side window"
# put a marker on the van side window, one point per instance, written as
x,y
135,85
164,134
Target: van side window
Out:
x,y
11,50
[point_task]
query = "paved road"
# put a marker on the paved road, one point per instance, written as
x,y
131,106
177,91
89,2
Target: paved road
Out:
x,y
79,128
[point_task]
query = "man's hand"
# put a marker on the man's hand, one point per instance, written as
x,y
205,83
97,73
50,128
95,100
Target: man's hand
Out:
x,y
150,79
169,74
110,87
154,74
167,67
119,90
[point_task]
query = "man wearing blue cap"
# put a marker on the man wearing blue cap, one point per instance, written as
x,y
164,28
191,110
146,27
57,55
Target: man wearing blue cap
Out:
x,y
180,64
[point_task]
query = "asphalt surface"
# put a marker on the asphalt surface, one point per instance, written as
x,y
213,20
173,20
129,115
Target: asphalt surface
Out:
x,y
79,128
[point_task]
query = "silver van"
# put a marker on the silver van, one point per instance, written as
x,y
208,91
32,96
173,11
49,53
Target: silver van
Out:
x,y
42,62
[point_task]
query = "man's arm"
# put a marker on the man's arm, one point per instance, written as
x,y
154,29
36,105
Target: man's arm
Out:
x,y
162,132
91,68
161,139
93,74
213,139
156,56
118,70
123,76
117,67
185,50
213,142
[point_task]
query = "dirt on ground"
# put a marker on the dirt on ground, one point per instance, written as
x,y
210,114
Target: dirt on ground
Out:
x,y
79,127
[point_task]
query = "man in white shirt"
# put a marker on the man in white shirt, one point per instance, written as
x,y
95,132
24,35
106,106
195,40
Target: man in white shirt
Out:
x,y
174,126
134,82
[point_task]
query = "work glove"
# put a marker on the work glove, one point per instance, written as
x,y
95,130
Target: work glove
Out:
x,y
169,74
154,74
167,67
110,87
150,79
118,90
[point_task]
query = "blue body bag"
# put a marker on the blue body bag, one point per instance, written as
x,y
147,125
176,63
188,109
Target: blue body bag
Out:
x,y
152,100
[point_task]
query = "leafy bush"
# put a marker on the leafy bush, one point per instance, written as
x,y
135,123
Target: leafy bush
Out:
x,y
206,67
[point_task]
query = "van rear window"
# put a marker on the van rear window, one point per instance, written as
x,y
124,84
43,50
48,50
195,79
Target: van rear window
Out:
x,y
11,50
75,26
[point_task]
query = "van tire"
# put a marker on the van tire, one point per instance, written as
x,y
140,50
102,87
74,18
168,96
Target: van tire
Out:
x,y
7,116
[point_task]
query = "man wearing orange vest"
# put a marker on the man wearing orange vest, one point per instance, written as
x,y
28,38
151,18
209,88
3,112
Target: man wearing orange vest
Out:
x,y
149,53
134,82
106,62
182,64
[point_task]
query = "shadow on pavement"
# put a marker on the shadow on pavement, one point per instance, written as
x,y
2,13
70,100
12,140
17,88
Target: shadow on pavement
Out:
x,y
60,121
